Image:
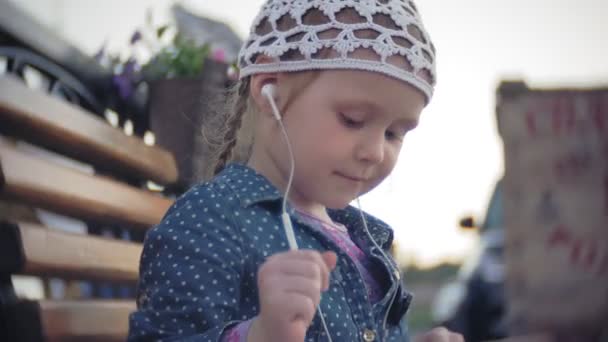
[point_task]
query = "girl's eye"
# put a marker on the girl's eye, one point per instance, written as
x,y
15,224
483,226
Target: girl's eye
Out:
x,y
392,135
350,122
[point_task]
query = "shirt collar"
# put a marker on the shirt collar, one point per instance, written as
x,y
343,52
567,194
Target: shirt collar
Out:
x,y
248,186
252,188
351,218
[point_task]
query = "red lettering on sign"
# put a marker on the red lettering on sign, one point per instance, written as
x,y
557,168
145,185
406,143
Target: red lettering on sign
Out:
x,y
531,123
559,236
557,116
563,116
572,167
584,254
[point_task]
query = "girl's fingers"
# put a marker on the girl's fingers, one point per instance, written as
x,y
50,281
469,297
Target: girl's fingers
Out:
x,y
330,259
290,286
301,308
295,284
272,276
306,263
440,334
303,268
456,338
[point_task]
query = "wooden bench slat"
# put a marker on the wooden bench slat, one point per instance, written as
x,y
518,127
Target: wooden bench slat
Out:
x,y
103,320
69,130
73,193
86,320
48,252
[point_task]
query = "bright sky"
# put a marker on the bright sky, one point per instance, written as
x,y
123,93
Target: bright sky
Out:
x,y
451,162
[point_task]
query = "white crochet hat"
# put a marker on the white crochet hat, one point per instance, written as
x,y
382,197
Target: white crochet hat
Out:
x,y
327,34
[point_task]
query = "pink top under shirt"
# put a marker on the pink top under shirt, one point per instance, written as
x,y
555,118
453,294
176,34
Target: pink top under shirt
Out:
x,y
339,234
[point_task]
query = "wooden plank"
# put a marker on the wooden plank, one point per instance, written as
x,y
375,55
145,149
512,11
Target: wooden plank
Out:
x,y
70,192
86,320
43,251
82,320
69,130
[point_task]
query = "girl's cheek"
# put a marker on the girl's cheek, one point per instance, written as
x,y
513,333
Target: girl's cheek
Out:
x,y
392,153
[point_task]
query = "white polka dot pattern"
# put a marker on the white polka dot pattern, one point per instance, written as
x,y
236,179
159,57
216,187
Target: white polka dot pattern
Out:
x,y
199,265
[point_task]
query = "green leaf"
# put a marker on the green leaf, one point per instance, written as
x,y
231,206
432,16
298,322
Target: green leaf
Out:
x,y
161,30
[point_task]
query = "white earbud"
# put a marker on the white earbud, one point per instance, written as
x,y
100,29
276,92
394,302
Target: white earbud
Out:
x,y
270,91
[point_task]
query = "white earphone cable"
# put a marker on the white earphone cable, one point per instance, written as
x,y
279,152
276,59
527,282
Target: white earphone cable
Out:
x,y
395,270
287,225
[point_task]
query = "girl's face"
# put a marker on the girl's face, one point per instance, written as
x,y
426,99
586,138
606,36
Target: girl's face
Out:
x,y
346,128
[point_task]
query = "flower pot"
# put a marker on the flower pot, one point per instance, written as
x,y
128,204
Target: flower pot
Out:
x,y
182,112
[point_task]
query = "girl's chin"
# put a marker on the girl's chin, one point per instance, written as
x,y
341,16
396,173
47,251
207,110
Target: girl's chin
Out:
x,y
336,207
339,203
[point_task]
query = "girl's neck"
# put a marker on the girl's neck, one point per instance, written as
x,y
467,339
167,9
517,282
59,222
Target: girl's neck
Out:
x,y
320,213
279,179
322,217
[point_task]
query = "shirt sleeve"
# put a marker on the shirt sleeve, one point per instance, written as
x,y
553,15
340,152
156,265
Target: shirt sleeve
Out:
x,y
189,273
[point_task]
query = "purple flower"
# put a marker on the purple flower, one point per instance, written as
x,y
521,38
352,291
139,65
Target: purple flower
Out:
x,y
218,55
129,67
136,37
126,80
124,86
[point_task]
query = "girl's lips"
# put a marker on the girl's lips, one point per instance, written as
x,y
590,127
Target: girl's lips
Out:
x,y
354,179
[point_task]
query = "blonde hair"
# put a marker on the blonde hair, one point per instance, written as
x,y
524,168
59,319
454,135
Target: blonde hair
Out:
x,y
238,106
237,138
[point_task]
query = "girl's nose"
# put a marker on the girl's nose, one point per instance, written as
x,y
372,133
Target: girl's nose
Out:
x,y
371,149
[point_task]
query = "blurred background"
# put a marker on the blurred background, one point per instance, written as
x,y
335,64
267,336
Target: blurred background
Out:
x,y
444,197
451,162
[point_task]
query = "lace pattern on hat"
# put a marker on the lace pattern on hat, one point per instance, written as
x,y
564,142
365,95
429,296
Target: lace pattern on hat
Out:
x,y
385,36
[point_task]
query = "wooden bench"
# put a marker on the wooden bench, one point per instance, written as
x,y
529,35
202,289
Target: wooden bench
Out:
x,y
114,195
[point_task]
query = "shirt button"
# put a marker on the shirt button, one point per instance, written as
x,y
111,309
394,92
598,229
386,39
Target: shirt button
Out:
x,y
368,335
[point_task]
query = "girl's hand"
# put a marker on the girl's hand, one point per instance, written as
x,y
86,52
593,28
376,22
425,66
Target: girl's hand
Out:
x,y
289,289
440,334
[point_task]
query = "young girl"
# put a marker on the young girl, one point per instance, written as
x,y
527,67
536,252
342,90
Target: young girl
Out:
x,y
332,87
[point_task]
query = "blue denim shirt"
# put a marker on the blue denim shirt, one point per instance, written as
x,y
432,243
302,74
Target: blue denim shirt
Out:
x,y
199,266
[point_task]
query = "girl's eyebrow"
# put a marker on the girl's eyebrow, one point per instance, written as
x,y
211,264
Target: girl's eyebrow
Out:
x,y
371,107
408,123
360,104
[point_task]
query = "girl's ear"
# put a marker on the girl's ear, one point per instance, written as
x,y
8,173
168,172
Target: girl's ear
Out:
x,y
257,83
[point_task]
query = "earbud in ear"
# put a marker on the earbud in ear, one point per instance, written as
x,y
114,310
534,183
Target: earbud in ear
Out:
x,y
270,91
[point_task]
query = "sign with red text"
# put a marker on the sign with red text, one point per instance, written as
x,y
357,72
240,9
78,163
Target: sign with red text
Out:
x,y
556,205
